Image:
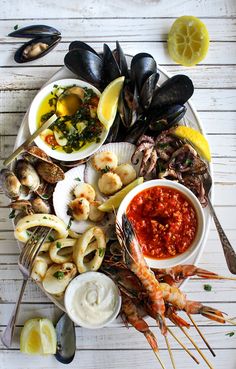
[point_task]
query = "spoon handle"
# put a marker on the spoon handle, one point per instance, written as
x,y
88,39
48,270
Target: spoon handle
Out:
x,y
29,140
230,255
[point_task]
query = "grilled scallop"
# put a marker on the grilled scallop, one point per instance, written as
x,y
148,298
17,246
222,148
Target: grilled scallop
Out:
x,y
86,191
109,183
79,208
105,160
126,172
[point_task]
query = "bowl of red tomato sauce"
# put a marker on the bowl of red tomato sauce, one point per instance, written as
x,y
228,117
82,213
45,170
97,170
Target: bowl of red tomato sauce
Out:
x,y
167,219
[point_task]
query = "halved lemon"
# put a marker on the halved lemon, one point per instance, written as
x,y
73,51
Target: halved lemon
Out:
x,y
188,41
108,102
114,201
196,139
38,337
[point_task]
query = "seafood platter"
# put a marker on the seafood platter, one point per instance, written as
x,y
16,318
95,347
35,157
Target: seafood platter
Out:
x,y
127,204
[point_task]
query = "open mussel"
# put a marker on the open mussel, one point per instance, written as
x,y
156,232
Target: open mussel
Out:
x,y
36,30
36,48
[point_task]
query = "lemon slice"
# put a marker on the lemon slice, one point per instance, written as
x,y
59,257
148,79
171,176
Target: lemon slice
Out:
x,y
114,201
196,139
188,41
38,337
108,102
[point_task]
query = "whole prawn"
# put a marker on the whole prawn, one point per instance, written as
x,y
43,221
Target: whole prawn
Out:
x,y
135,261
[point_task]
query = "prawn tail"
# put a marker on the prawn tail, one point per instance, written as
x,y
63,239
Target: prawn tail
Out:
x,y
150,337
203,273
177,320
212,314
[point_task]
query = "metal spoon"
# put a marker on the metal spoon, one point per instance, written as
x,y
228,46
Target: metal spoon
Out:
x,y
67,104
66,340
230,255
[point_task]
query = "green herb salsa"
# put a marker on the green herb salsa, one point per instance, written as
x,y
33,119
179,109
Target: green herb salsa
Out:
x,y
71,133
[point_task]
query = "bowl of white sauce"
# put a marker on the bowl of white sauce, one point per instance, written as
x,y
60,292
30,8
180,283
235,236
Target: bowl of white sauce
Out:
x,y
92,300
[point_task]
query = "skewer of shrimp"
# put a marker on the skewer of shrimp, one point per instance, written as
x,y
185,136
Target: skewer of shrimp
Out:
x,y
135,261
177,298
130,312
181,272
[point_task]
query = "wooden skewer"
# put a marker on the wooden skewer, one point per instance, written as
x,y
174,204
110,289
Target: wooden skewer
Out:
x,y
170,352
182,345
196,347
201,334
159,359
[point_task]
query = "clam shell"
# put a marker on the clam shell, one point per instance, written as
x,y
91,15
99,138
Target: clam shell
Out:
x,y
50,172
123,151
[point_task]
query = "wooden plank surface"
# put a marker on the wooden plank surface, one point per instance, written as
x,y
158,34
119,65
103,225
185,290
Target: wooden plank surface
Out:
x,y
140,27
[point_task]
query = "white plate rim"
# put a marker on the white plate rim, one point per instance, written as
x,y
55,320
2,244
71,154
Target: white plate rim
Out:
x,y
23,131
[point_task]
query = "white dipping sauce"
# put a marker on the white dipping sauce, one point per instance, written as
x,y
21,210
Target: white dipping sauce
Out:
x,y
92,300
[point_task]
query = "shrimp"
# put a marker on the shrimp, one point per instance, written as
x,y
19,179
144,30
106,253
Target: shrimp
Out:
x,y
132,315
135,261
181,272
174,296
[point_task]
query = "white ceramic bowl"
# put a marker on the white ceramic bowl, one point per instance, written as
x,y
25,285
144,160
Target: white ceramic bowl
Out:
x,y
32,120
70,296
182,258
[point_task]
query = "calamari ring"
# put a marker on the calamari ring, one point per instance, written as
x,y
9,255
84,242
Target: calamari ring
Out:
x,y
43,220
58,245
82,247
39,269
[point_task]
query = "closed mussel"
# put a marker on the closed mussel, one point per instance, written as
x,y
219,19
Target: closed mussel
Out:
x,y
36,30
161,119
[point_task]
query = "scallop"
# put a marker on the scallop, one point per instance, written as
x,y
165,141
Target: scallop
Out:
x,y
85,190
105,160
79,208
109,183
95,215
126,172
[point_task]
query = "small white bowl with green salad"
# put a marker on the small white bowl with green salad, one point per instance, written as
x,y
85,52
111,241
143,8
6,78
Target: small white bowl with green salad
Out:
x,y
72,137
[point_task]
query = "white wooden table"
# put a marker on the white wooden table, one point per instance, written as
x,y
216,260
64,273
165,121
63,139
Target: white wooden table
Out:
x,y
139,26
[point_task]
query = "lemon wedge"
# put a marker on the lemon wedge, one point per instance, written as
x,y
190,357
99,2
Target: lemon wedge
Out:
x,y
114,201
108,102
38,337
196,139
188,41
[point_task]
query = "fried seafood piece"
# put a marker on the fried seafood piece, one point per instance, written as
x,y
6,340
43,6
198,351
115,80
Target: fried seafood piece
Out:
x,y
109,183
105,160
80,208
126,172
95,215
85,190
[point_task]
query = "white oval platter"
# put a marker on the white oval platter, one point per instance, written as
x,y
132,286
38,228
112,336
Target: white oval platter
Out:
x,y
191,118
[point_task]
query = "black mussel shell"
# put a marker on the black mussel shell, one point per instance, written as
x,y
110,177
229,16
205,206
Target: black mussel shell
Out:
x,y
36,48
81,45
176,90
142,66
148,89
87,65
121,60
116,131
136,131
37,30
111,68
128,104
66,340
159,120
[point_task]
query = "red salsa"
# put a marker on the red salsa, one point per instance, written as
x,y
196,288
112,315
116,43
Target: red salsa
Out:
x,y
164,220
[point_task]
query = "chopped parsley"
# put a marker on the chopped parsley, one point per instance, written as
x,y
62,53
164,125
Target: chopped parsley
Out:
x,y
50,238
188,162
45,196
58,245
16,27
101,252
12,214
59,275
106,169
230,334
207,287
45,218
77,179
